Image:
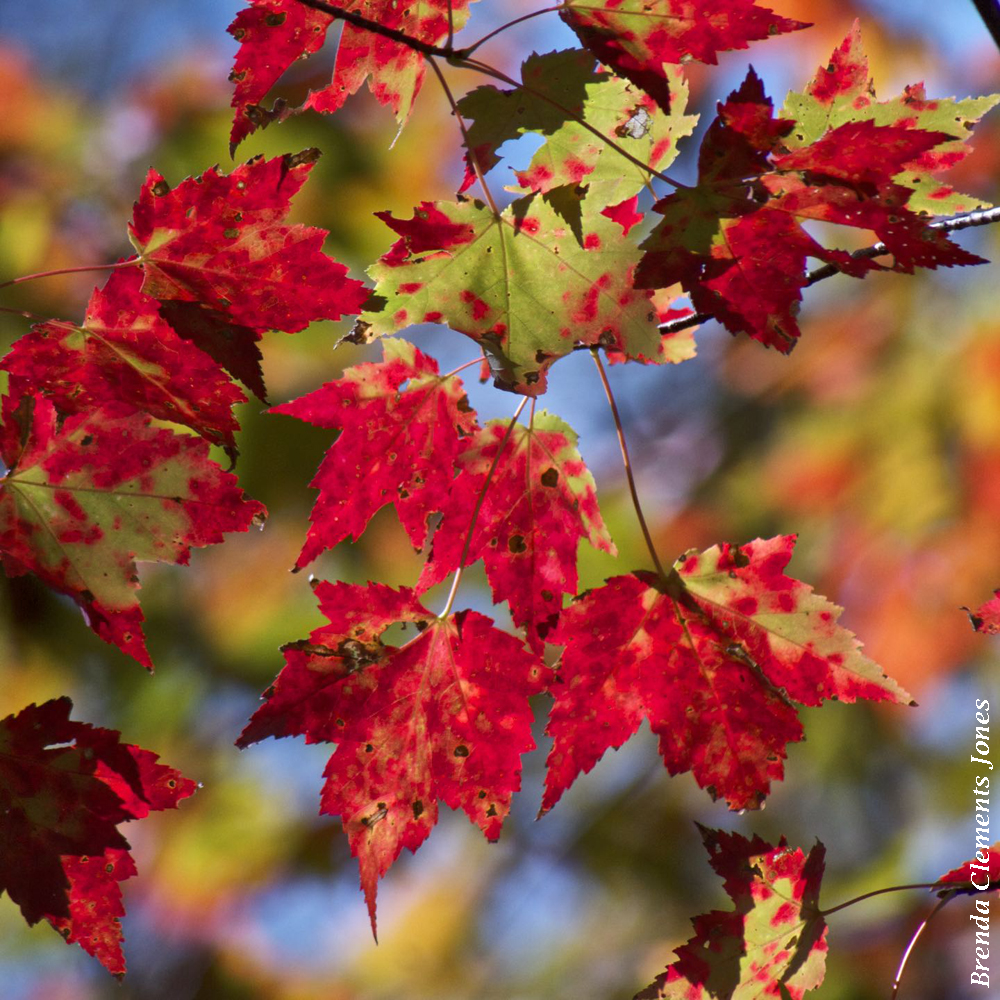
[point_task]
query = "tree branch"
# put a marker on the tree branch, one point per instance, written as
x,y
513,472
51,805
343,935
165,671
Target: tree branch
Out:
x,y
989,11
983,217
378,29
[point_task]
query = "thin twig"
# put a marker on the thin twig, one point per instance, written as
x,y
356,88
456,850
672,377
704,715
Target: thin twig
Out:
x,y
879,892
375,28
473,159
475,513
913,940
628,463
990,13
461,368
982,217
469,49
70,270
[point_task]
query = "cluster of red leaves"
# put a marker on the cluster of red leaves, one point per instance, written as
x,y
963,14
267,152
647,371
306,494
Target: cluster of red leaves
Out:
x,y
92,485
64,788
716,653
715,656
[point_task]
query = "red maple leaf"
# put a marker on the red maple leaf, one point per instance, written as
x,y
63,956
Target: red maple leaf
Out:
x,y
986,618
736,241
540,502
714,658
636,38
82,501
125,352
445,716
978,874
771,944
64,788
396,445
273,34
220,240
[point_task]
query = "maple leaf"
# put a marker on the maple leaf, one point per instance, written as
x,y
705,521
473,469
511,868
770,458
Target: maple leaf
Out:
x,y
969,878
445,716
986,618
568,81
736,242
396,445
273,34
842,91
82,501
771,944
540,502
125,352
715,658
218,239
639,38
64,788
519,284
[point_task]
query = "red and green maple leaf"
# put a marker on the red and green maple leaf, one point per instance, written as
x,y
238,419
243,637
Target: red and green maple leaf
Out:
x,y
771,944
715,658
125,352
736,242
444,716
540,502
520,284
64,788
273,34
572,154
220,240
842,91
396,445
639,39
84,499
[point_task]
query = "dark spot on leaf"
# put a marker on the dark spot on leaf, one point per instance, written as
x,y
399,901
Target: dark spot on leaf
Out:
x,y
461,750
516,544
369,748
492,811
160,188
87,440
273,20
482,794
418,808
550,477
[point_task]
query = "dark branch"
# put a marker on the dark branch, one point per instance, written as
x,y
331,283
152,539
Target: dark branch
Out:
x,y
981,218
378,29
989,11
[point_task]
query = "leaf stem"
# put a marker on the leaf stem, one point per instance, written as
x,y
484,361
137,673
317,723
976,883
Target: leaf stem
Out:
x,y
628,463
913,940
469,49
475,513
879,892
472,158
70,270
461,368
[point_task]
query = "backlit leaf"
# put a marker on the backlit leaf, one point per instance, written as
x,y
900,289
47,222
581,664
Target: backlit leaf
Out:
x,y
444,716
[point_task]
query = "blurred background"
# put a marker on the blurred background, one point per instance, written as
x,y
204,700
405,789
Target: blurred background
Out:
x,y
877,441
